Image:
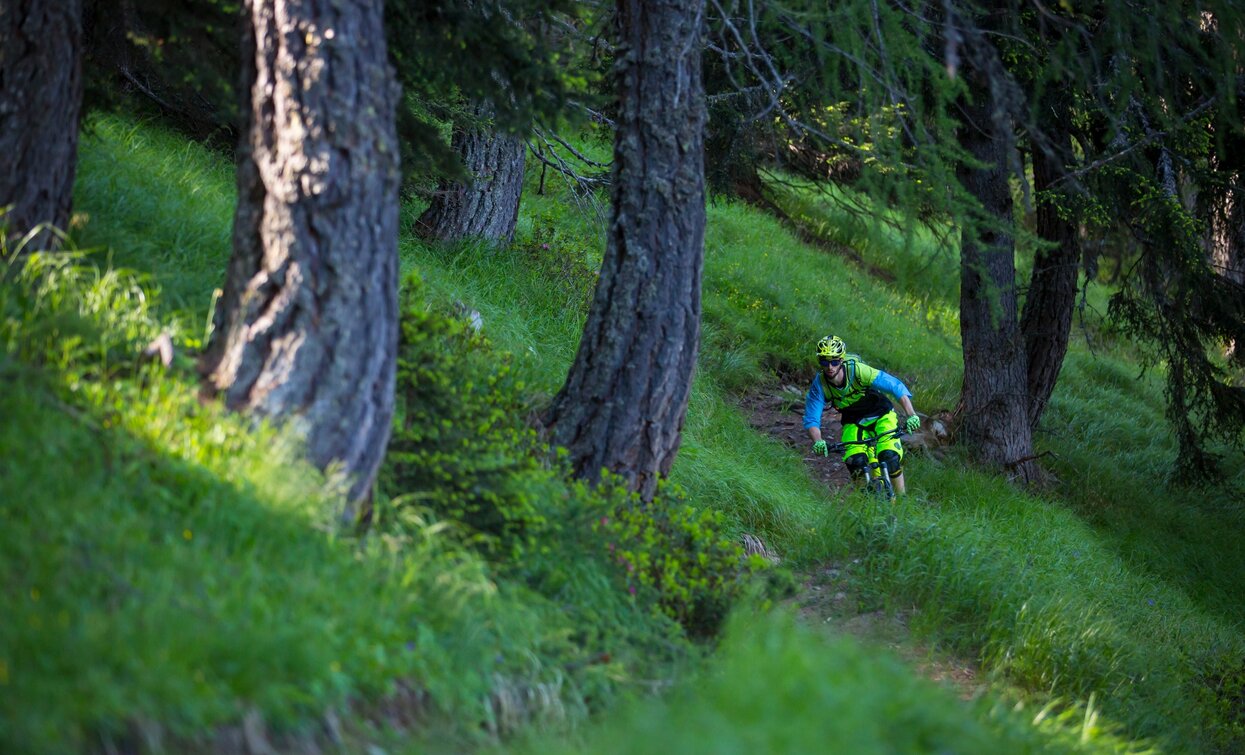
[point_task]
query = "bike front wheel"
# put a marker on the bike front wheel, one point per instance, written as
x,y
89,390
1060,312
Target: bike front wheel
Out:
x,y
880,488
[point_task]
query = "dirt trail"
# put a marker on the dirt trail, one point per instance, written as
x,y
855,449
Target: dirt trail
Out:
x,y
830,595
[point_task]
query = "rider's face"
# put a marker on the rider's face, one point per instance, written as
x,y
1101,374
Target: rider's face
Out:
x,y
831,367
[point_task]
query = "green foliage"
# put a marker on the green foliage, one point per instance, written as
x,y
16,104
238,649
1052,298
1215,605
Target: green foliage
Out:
x,y
681,555
182,60
514,55
462,449
1222,687
776,687
60,312
460,445
158,204
560,260
188,570
846,93
1183,309
178,59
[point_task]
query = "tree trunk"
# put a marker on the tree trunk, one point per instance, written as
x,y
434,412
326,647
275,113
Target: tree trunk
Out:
x,y
1232,263
1225,240
996,419
1047,318
487,205
40,98
625,399
306,330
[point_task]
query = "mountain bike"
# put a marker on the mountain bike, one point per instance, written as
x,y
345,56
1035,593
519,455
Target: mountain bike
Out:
x,y
877,476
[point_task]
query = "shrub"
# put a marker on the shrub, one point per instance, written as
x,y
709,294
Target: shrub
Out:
x,y
560,258
680,555
460,446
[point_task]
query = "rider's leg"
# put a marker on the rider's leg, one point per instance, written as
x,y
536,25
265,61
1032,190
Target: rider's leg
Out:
x,y
890,450
894,465
856,464
853,456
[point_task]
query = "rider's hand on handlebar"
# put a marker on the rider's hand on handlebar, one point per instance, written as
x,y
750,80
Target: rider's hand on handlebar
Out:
x,y
913,423
820,448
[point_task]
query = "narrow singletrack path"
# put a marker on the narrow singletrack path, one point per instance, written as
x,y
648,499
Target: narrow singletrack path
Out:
x,y
831,594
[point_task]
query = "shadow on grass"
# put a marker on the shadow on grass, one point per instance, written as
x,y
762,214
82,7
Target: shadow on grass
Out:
x,y
155,597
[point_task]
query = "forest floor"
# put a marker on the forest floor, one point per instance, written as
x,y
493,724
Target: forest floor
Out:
x,y
832,595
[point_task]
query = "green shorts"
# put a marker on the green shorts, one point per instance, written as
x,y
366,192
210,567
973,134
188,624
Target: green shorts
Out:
x,y
870,428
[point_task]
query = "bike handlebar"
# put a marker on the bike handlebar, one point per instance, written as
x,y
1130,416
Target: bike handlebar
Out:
x,y
873,441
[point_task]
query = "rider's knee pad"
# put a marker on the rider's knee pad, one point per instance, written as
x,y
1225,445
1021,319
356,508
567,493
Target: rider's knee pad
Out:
x,y
893,463
856,464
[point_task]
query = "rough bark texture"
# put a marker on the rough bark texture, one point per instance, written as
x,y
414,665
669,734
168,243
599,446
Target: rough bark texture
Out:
x,y
488,205
1047,319
306,330
1225,245
994,396
625,399
40,98
1232,262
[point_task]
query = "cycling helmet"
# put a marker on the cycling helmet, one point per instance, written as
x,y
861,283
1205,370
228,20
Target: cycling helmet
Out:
x,y
831,347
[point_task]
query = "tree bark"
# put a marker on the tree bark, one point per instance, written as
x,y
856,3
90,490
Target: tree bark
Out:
x,y
1232,262
1047,318
40,100
487,204
995,400
306,330
624,402
1225,240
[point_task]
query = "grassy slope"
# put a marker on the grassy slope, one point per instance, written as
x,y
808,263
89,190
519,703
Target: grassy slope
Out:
x,y
1102,590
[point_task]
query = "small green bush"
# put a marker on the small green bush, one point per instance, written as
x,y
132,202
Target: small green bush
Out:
x,y
681,555
460,446
559,257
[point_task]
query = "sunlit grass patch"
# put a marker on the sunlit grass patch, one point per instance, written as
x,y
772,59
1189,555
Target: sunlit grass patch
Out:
x,y
175,566
159,204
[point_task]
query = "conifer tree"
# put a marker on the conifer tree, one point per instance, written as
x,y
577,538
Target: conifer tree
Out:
x,y
40,97
623,404
306,331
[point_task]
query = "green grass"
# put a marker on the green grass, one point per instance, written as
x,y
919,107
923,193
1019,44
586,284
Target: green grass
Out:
x,y
188,570
161,205
163,562
779,688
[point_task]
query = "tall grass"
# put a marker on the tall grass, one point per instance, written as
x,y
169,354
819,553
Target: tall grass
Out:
x,y
167,568
779,688
160,204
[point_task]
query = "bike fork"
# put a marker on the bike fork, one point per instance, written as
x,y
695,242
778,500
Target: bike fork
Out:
x,y
884,478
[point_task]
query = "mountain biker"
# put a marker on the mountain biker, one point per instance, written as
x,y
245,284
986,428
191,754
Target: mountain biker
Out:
x,y
858,391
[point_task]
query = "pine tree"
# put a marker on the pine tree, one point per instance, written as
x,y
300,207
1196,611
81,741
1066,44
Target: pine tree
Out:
x,y
40,98
306,331
625,399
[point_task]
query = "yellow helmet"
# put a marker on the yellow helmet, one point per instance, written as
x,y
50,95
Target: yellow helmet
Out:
x,y
831,347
